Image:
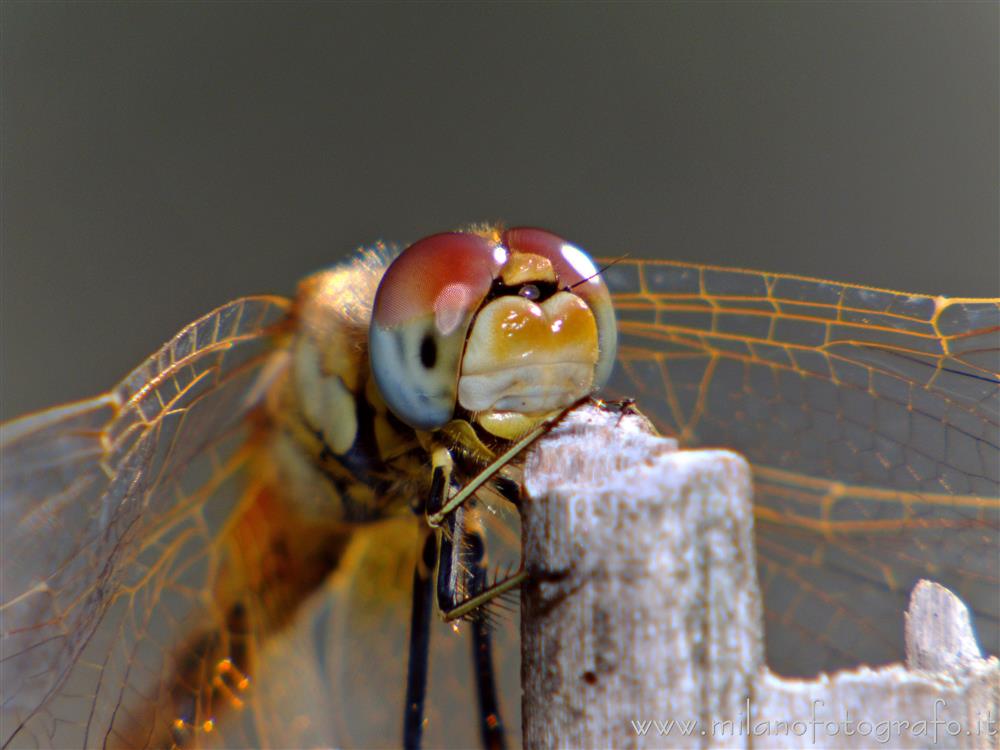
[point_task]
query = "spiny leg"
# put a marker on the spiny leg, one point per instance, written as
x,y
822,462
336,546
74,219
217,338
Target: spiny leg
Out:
x,y
456,601
462,553
420,630
462,557
490,726
436,514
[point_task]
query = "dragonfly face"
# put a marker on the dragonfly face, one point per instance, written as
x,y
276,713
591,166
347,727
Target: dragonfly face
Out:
x,y
505,327
220,550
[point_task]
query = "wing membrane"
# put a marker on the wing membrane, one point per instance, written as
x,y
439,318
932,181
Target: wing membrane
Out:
x,y
104,545
871,418
337,676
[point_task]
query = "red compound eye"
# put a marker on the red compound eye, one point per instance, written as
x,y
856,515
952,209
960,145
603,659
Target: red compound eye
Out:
x,y
443,271
423,308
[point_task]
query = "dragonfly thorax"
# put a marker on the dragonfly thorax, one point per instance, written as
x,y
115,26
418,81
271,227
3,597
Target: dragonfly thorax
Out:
x,y
339,438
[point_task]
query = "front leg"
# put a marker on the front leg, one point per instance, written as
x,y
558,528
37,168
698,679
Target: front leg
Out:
x,y
462,574
420,638
420,613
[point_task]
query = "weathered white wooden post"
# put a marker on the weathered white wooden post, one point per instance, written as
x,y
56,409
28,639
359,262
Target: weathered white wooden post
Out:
x,y
644,608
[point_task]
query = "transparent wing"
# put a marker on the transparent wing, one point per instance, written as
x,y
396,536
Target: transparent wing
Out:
x,y
104,545
871,419
337,676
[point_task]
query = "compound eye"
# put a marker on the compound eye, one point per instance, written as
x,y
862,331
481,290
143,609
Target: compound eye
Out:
x,y
423,308
578,273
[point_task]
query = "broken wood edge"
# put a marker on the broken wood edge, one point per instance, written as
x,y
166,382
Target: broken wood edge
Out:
x,y
946,695
642,623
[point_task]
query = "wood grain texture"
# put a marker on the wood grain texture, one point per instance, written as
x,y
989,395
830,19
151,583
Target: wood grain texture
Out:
x,y
642,622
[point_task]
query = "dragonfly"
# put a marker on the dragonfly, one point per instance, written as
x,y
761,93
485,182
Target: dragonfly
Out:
x,y
242,543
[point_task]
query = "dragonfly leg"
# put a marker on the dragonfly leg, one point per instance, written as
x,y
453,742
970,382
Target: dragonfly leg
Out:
x,y
461,567
420,631
458,558
442,464
436,516
462,610
420,614
490,726
450,566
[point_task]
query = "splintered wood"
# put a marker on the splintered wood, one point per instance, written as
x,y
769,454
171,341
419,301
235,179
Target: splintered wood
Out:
x,y
642,625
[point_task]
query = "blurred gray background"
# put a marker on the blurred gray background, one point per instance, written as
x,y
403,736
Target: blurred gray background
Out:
x,y
160,159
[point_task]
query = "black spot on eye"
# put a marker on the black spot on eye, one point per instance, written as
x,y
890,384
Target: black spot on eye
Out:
x,y
428,352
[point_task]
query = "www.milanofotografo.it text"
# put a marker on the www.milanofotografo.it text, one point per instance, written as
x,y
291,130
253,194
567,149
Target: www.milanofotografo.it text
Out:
x,y
820,727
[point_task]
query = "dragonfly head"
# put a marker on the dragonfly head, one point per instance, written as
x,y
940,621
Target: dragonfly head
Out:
x,y
507,326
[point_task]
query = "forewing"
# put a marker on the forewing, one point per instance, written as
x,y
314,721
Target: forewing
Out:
x,y
871,419
107,509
